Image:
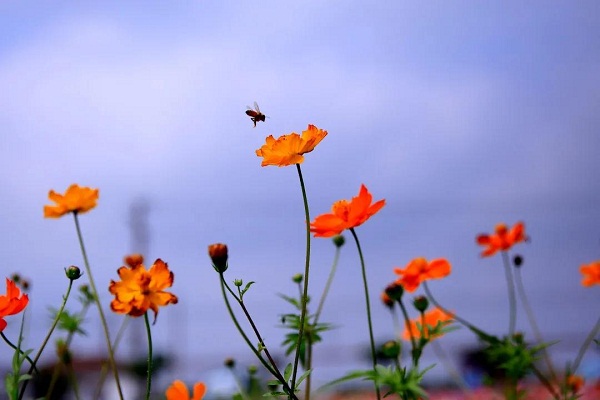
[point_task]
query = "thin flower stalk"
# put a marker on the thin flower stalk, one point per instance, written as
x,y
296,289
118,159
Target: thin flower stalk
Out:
x,y
586,343
273,366
111,355
441,354
47,338
368,306
413,342
115,346
512,298
16,348
304,298
149,367
531,317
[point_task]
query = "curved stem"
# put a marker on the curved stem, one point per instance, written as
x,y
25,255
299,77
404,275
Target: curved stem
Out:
x,y
271,369
47,338
150,367
463,321
585,345
512,299
304,298
115,345
336,258
452,371
531,317
111,355
407,325
8,342
368,304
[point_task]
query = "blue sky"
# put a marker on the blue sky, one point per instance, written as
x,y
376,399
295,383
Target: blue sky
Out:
x,y
460,115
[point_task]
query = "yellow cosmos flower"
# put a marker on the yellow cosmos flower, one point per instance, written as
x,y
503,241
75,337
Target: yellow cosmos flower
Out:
x,y
289,149
141,289
76,199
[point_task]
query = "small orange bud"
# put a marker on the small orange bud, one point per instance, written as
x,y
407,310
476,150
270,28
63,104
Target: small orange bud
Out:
x,y
133,260
218,255
575,383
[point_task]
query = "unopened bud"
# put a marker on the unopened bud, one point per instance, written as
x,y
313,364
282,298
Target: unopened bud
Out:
x,y
252,369
238,282
133,260
518,260
394,291
73,272
391,349
339,241
297,278
386,300
218,255
229,362
421,303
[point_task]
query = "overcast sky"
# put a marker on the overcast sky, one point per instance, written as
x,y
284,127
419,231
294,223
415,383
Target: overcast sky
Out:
x,y
461,115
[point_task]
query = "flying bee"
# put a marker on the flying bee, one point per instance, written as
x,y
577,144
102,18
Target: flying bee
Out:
x,y
255,114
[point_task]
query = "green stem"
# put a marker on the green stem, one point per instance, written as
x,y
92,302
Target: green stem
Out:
x,y
452,371
111,356
336,258
306,272
47,338
271,368
512,298
410,332
115,346
150,367
8,342
531,317
368,304
482,334
585,345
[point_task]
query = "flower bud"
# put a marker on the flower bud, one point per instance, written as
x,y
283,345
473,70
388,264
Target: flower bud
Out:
x,y
218,255
391,349
252,369
229,362
518,260
421,303
386,300
238,282
394,291
339,241
73,272
297,278
133,260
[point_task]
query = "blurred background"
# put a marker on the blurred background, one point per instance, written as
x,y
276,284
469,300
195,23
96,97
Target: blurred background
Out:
x,y
461,115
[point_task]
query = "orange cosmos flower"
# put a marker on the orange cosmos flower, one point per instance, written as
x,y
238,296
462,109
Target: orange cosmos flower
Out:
x,y
575,383
419,270
140,290
12,302
289,149
591,274
346,214
426,330
503,239
178,391
76,199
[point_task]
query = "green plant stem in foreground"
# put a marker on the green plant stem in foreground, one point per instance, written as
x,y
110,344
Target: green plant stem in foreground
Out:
x,y
512,299
368,304
304,298
111,355
588,340
534,326
115,346
47,338
149,368
16,348
271,368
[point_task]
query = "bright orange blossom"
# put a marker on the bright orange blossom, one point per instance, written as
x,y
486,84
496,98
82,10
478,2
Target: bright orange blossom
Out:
x,y
289,149
76,199
12,302
591,274
419,270
346,214
140,290
178,391
431,320
503,239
